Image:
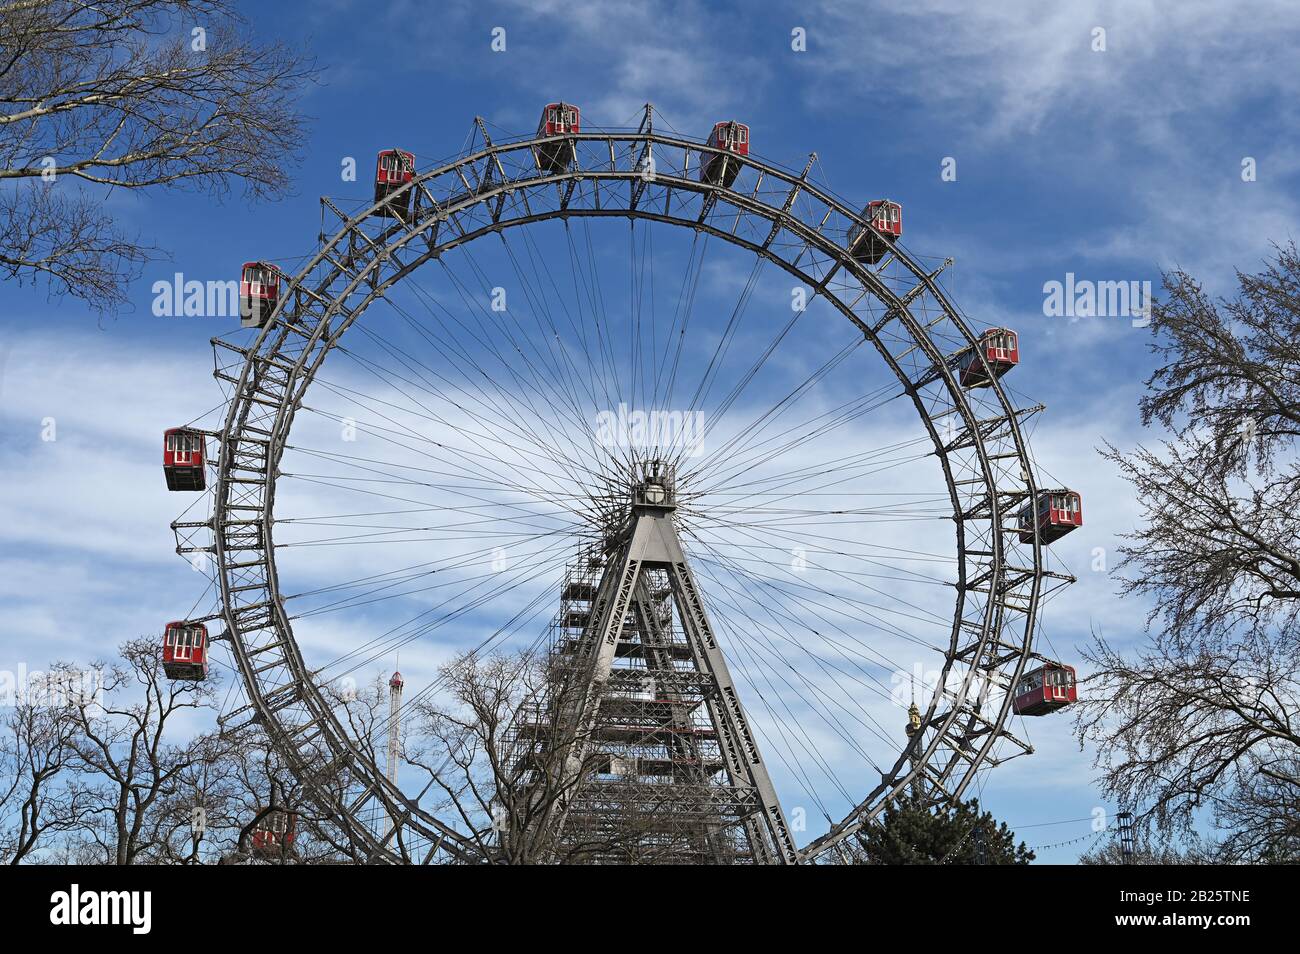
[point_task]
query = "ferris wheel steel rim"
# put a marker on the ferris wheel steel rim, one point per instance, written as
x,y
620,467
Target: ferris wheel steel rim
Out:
x,y
363,259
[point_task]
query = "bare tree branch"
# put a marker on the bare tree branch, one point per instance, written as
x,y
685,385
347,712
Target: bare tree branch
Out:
x,y
123,94
1206,717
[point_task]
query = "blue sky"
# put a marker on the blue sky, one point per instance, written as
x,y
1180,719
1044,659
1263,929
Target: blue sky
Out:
x,y
1109,164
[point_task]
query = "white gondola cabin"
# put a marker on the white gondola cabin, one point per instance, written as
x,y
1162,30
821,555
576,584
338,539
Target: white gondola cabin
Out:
x,y
394,168
1052,516
1000,350
259,293
185,651
870,244
183,463
558,119
1046,689
720,168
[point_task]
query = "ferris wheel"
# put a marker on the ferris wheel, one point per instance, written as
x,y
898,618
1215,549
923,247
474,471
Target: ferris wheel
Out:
x,y
707,438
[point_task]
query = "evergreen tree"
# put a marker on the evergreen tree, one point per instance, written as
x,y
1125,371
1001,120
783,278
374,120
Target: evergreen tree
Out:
x,y
912,833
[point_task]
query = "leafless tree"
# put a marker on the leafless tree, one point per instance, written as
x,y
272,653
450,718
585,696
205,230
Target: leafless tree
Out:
x,y
1207,715
125,764
132,94
508,754
35,752
112,765
1190,850
267,787
265,791
505,755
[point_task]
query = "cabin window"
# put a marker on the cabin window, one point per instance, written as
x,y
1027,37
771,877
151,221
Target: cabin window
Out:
x,y
394,164
1030,683
182,443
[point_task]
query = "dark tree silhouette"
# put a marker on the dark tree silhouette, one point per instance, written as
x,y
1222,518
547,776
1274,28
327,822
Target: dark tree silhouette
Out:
x,y
912,833
126,94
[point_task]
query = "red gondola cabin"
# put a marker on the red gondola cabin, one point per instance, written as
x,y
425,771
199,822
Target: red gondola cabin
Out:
x,y
394,168
558,119
274,833
185,651
721,169
1055,514
1045,690
1000,348
259,293
183,463
870,244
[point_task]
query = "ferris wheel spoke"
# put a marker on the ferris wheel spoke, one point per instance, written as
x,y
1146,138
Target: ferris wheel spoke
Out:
x,y
509,509
763,653
683,312
725,339
745,435
794,743
535,444
807,432
451,608
764,552
562,366
428,447
873,465
562,405
540,304
506,413
815,609
796,582
363,472
487,414
383,583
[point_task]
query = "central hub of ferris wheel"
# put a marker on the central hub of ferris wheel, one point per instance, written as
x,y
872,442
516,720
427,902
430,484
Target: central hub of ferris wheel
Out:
x,y
654,485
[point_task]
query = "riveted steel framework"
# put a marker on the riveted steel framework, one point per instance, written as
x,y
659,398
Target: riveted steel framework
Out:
x,y
675,721
772,212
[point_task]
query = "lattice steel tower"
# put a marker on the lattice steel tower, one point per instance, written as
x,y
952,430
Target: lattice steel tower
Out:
x,y
662,760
